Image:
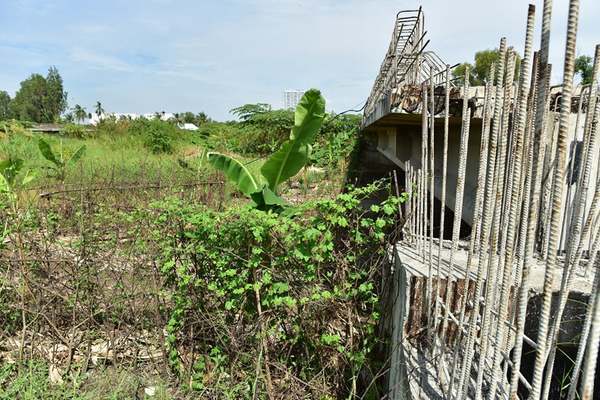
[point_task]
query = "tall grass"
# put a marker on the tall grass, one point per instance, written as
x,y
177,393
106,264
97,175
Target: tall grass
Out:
x,y
108,158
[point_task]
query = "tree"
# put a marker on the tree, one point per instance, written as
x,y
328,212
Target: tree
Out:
x,y
28,104
479,72
188,117
248,111
583,66
69,118
79,113
99,109
40,99
458,73
55,102
202,118
4,105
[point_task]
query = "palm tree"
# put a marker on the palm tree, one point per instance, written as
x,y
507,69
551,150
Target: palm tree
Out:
x,y
99,109
79,113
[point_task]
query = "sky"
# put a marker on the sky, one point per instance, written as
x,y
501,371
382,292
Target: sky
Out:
x,y
199,55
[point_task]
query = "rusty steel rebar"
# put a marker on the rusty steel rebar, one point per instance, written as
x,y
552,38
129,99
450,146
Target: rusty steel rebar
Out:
x,y
515,189
557,192
483,157
443,196
458,203
486,224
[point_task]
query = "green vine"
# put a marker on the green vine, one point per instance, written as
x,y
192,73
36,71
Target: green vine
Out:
x,y
316,270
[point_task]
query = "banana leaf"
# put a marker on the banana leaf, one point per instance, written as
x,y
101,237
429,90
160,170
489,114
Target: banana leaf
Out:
x,y
77,155
235,171
47,152
293,154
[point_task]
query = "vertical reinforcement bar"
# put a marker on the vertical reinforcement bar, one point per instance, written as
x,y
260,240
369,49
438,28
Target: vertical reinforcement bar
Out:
x,y
557,192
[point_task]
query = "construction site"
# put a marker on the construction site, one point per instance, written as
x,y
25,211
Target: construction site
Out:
x,y
495,282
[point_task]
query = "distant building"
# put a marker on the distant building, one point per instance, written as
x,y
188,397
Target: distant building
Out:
x,y
291,98
164,116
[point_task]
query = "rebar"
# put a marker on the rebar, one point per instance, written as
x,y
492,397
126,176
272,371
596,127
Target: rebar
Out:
x,y
493,260
557,192
486,222
577,236
443,196
458,204
514,194
476,226
431,178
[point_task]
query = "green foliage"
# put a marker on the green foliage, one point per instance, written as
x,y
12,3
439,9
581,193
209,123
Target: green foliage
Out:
x,y
284,163
73,130
339,133
40,99
99,110
158,135
28,103
459,71
56,98
190,118
4,106
479,72
60,161
584,67
30,382
10,179
293,154
235,171
306,281
79,113
249,112
262,130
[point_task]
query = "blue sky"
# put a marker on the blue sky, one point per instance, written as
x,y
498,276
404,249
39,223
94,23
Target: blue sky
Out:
x,y
200,55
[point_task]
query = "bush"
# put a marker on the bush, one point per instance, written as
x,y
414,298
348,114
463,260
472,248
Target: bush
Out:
x,y
113,127
261,297
336,141
75,131
263,130
158,135
15,127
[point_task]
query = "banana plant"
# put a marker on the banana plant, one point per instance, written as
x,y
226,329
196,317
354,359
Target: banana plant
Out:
x,y
10,182
9,175
60,163
284,163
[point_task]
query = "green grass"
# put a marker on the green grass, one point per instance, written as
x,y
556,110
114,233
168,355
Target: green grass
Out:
x,y
31,382
119,158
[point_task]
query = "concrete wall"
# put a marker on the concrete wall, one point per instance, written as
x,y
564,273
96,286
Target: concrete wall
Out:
x,y
403,143
399,140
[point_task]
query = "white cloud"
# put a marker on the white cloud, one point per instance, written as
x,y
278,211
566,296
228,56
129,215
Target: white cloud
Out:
x,y
212,56
88,58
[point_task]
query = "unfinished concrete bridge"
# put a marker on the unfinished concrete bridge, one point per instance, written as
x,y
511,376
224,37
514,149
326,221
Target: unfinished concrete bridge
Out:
x,y
495,283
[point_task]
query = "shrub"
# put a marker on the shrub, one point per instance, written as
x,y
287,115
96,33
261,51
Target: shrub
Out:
x,y
75,131
113,127
14,127
261,297
158,135
336,141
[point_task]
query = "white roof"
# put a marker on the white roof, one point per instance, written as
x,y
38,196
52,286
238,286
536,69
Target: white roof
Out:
x,y
188,127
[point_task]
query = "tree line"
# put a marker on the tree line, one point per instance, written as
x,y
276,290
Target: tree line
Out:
x,y
39,99
43,99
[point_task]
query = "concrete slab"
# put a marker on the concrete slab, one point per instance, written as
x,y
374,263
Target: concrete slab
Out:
x,y
417,265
